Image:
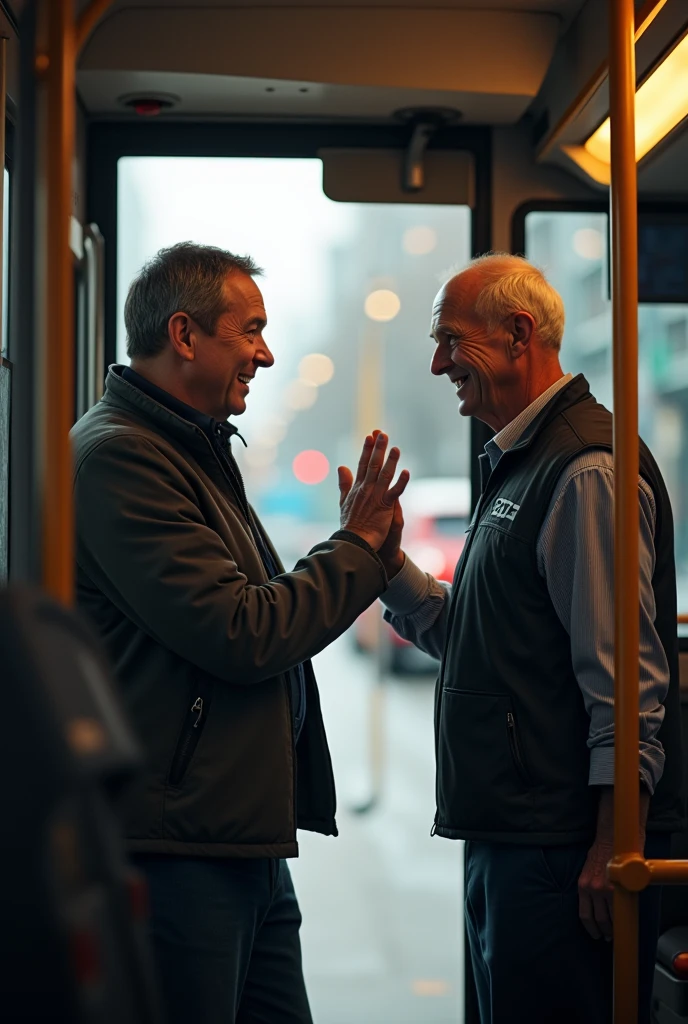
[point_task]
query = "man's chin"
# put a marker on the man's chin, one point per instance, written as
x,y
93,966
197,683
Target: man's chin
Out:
x,y
237,407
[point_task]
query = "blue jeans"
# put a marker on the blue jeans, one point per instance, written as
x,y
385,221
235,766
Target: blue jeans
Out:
x,y
225,936
533,961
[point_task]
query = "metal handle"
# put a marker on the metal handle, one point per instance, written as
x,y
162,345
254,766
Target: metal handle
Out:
x,y
94,253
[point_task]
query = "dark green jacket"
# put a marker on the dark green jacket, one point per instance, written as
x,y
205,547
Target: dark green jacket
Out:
x,y
201,639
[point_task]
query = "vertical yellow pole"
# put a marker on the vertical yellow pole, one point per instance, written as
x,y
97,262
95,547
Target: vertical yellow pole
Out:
x,y
58,528
626,462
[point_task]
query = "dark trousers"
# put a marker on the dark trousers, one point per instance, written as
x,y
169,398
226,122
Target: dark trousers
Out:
x,y
225,936
533,961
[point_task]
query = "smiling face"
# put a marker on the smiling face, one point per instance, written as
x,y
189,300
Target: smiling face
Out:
x,y
228,360
217,369
490,367
477,361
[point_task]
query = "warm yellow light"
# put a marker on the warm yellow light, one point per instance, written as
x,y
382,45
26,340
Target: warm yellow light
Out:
x,y
382,305
316,369
660,104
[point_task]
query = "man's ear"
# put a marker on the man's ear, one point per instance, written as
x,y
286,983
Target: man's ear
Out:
x,y
182,335
522,333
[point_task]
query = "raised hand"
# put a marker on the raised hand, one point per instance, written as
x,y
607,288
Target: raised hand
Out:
x,y
367,503
391,555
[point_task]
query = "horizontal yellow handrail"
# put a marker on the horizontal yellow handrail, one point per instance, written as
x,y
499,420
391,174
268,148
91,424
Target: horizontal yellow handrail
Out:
x,y
635,873
668,872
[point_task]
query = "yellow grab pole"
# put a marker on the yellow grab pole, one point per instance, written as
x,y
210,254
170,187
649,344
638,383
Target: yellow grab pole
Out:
x,y
626,464
59,67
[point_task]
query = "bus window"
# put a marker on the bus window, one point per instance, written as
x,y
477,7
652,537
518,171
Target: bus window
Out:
x,y
348,291
572,249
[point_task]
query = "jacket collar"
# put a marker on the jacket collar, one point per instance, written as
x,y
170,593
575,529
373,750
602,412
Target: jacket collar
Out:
x,y
575,391
125,387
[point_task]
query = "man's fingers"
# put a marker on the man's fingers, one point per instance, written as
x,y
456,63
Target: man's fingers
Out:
x,y
602,906
389,469
376,459
346,480
587,915
394,493
368,446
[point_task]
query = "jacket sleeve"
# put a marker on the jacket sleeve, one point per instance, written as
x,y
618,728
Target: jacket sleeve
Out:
x,y
143,541
576,559
417,606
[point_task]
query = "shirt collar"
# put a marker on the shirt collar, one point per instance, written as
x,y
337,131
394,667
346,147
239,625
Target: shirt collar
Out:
x,y
512,432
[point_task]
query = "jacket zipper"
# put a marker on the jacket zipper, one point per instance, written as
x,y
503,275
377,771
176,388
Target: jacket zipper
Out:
x,y
515,748
440,682
187,743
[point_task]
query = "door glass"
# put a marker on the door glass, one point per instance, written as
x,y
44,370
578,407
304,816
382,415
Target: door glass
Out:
x,y
348,290
5,259
572,250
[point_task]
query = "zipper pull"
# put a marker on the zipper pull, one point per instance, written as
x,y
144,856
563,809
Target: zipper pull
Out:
x,y
198,708
510,720
433,830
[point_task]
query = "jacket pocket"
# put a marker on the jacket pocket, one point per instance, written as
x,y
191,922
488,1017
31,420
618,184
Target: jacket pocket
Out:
x,y
483,778
194,724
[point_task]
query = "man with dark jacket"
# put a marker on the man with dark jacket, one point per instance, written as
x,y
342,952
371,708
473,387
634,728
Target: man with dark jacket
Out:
x,y
525,698
211,639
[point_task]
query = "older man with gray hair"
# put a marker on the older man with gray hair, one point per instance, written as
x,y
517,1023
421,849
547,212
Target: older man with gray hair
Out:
x,y
525,699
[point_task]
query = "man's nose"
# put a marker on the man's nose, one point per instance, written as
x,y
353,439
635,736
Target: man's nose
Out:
x,y
264,356
441,361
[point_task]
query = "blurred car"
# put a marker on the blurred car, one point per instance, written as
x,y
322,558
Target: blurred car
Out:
x,y
436,515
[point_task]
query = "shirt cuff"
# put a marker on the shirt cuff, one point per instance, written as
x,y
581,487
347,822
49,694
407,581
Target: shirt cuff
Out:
x,y
407,590
602,769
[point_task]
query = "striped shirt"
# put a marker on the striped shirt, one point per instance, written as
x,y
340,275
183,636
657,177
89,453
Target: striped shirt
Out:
x,y
575,557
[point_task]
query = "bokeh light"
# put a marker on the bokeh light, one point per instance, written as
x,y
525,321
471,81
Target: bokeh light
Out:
x,y
382,305
316,369
274,430
419,241
310,467
300,395
259,456
588,243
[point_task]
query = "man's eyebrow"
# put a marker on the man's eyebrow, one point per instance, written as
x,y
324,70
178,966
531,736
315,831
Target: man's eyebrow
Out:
x,y
259,321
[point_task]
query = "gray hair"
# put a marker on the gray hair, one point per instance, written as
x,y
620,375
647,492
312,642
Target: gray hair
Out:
x,y
186,278
513,284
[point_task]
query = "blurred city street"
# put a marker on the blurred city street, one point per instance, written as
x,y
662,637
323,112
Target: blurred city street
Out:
x,y
382,933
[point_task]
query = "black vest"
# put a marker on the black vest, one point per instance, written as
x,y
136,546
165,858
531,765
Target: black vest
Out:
x,y
511,726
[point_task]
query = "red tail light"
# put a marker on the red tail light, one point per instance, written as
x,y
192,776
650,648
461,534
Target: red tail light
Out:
x,y
680,965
